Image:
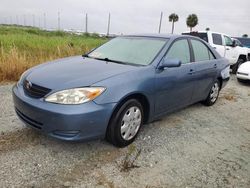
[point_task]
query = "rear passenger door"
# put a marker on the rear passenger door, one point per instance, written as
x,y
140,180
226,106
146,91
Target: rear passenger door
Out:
x,y
205,69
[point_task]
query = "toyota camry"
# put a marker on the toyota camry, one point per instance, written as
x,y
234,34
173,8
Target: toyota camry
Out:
x,y
114,89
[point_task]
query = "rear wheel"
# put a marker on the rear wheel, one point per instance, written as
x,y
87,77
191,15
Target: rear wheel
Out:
x,y
213,94
125,123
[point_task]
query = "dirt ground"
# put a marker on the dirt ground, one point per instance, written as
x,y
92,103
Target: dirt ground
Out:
x,y
196,147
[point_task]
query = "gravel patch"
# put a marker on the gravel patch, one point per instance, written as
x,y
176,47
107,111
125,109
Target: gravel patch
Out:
x,y
196,147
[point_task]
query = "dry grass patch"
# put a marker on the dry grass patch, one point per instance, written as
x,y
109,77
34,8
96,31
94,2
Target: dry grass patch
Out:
x,y
22,48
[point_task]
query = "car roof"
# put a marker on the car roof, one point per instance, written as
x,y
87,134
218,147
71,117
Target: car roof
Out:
x,y
210,32
165,36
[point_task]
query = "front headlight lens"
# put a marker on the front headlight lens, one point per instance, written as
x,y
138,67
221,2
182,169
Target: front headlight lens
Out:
x,y
19,82
75,96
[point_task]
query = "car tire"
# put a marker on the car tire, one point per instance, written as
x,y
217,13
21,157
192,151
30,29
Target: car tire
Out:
x,y
125,123
213,94
236,66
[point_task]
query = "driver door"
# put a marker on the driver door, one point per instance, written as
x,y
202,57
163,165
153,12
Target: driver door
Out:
x,y
174,86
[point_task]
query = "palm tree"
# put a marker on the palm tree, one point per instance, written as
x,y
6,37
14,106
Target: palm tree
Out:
x,y
173,18
192,21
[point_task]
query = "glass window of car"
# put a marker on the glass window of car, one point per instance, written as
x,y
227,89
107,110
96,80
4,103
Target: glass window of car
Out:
x,y
217,39
203,36
179,50
201,51
131,50
228,41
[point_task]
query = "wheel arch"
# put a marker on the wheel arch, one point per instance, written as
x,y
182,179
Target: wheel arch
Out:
x,y
243,57
220,80
138,96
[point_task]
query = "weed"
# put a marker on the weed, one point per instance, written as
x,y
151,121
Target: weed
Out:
x,y
131,156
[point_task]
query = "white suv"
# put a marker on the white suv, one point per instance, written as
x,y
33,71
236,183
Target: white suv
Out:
x,y
225,46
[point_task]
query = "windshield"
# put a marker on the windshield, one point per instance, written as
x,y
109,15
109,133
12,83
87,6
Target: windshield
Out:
x,y
245,41
131,50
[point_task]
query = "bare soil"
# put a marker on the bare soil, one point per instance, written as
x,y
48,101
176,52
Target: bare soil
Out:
x,y
196,147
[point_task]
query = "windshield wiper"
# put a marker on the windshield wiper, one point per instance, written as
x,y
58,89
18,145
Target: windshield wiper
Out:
x,y
110,60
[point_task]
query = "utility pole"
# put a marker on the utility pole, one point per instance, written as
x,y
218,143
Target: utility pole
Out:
x,y
11,20
33,17
17,20
24,20
59,21
39,22
160,23
44,20
108,25
86,23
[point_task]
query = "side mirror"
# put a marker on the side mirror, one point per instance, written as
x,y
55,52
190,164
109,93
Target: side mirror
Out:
x,y
234,44
168,63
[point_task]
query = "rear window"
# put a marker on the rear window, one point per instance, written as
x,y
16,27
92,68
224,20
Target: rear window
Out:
x,y
203,36
217,39
201,51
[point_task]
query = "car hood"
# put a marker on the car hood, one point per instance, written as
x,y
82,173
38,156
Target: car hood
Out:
x,y
74,72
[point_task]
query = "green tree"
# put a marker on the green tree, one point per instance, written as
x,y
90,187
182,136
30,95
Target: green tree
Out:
x,y
192,21
245,35
173,18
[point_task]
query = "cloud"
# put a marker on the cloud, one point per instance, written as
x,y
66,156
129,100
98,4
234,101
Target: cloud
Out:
x,y
130,16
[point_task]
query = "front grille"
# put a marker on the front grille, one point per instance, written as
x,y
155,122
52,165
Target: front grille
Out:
x,y
34,90
28,120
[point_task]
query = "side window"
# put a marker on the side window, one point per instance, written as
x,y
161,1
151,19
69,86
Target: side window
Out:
x,y
228,41
217,39
180,50
201,51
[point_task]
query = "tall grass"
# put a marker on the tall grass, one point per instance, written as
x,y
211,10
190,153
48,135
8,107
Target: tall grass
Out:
x,y
24,47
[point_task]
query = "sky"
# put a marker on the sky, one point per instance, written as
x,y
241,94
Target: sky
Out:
x,y
129,16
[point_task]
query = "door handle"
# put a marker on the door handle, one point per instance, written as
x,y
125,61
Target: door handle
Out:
x,y
215,66
214,47
227,48
191,71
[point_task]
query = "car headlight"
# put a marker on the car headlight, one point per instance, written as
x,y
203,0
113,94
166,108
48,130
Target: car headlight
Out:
x,y
75,96
19,82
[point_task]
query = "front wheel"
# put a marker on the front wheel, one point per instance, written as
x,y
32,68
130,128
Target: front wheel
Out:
x,y
213,94
125,123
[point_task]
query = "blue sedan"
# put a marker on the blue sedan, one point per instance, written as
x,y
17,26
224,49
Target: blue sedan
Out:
x,y
113,90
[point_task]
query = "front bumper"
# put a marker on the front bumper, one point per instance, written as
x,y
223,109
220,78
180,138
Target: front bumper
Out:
x,y
67,122
242,75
